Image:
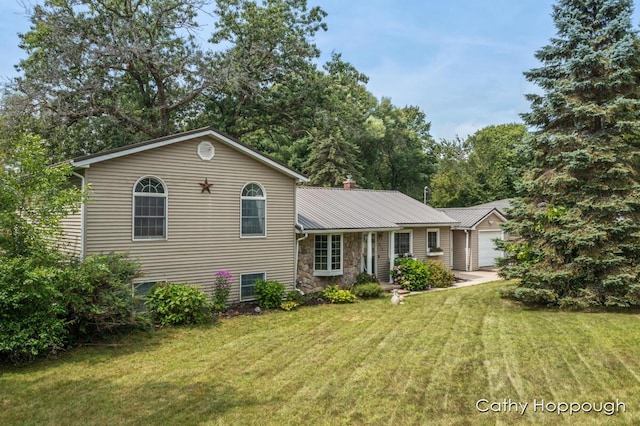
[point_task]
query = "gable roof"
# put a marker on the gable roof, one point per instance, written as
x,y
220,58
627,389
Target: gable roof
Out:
x,y
338,209
501,205
88,160
469,217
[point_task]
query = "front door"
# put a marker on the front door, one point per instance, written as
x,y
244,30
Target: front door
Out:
x,y
365,251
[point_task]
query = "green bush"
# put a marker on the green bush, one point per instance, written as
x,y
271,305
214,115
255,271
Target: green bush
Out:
x,y
367,290
98,296
295,296
32,317
439,274
410,274
532,296
364,278
289,305
269,294
177,304
335,295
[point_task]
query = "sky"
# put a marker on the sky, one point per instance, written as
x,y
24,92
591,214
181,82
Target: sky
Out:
x,y
459,61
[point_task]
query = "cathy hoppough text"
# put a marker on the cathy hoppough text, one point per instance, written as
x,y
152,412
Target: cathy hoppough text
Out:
x,y
608,408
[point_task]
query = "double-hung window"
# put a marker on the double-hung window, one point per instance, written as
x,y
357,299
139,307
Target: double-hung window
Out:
x,y
248,284
433,240
254,215
402,243
149,209
328,254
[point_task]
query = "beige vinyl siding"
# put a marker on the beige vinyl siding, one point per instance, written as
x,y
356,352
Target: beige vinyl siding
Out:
x,y
203,230
420,244
459,251
71,239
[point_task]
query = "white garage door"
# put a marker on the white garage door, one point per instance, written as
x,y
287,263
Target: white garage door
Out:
x,y
486,250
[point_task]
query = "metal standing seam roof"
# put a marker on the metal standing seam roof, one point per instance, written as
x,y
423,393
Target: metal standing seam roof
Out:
x,y
352,209
501,205
469,216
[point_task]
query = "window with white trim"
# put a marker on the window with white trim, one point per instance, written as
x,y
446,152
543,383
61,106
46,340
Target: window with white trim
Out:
x,y
254,215
327,258
433,239
402,243
149,209
248,284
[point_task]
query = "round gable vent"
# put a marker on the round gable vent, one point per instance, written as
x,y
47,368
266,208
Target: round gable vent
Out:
x,y
206,151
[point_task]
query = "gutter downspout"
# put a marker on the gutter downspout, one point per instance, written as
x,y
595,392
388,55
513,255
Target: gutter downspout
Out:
x,y
82,214
466,250
295,270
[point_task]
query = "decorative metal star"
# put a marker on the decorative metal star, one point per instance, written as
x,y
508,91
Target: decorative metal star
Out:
x,y
206,186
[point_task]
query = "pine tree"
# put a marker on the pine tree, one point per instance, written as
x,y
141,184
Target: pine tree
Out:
x,y
579,219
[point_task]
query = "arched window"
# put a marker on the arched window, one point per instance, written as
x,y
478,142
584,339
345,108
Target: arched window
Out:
x,y
253,211
149,209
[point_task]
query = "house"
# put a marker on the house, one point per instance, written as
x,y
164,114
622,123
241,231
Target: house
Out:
x,y
188,205
191,204
346,231
473,238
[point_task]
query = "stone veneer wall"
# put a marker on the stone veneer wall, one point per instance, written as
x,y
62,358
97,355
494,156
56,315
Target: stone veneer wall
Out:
x,y
351,259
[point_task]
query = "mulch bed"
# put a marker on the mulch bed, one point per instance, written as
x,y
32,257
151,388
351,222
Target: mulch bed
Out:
x,y
249,308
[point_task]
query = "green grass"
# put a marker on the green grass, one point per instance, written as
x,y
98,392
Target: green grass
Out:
x,y
425,362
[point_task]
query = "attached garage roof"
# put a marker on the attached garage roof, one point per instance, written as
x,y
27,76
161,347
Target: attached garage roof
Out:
x,y
469,217
323,209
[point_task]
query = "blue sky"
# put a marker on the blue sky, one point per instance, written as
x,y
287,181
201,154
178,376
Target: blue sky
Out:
x,y
460,61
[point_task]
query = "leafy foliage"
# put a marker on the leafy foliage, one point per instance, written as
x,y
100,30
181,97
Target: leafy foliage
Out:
x,y
221,289
439,274
485,167
98,296
410,274
335,294
269,294
370,290
34,198
364,278
579,221
289,305
177,304
32,315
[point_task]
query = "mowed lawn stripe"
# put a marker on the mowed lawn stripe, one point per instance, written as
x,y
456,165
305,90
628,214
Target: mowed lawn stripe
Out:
x,y
427,361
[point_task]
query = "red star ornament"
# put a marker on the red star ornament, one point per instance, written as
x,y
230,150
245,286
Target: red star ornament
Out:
x,y
206,186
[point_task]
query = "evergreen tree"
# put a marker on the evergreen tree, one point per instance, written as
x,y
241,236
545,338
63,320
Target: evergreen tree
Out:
x,y
579,220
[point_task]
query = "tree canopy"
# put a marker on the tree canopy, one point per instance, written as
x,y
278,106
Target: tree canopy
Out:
x,y
484,167
579,220
105,73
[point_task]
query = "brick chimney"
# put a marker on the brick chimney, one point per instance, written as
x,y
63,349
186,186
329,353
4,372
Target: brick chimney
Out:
x,y
349,183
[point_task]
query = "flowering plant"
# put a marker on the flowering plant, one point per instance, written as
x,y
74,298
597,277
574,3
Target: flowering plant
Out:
x,y
221,289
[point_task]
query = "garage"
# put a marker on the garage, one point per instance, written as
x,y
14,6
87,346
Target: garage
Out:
x,y
486,248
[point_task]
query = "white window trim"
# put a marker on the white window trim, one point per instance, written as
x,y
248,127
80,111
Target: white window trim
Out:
x,y
133,211
264,274
329,272
393,241
266,213
437,231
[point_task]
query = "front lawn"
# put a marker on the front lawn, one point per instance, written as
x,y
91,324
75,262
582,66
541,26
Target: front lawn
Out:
x,y
425,362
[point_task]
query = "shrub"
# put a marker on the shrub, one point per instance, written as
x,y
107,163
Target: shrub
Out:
x,y
295,296
439,274
533,296
221,289
269,294
98,296
32,317
335,295
410,274
367,290
177,304
289,305
364,278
